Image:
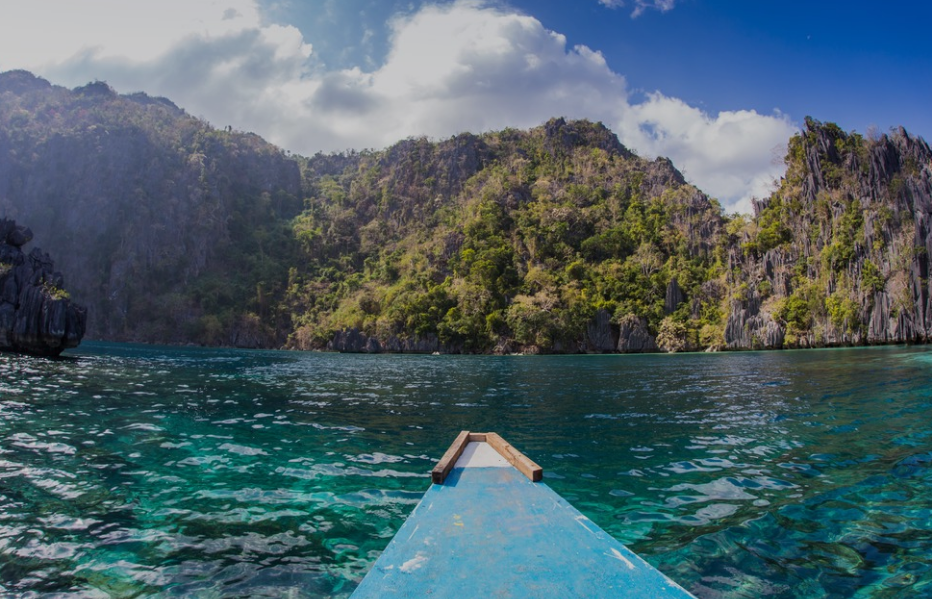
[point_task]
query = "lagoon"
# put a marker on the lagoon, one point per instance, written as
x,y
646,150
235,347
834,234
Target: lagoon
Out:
x,y
140,471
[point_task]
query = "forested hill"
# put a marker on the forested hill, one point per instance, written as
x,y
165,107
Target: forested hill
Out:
x,y
506,241
556,239
167,229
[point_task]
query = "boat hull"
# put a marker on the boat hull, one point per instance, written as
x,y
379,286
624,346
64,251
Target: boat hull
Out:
x,y
492,532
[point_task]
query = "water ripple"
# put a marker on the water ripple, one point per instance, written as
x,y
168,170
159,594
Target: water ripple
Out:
x,y
142,471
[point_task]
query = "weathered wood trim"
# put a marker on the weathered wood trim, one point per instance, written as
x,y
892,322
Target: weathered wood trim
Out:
x,y
446,463
521,462
493,534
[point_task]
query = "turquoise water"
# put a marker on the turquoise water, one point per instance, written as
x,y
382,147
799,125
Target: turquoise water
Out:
x,y
129,471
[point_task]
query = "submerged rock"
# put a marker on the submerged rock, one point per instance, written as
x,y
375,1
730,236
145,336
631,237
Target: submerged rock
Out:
x,y
37,315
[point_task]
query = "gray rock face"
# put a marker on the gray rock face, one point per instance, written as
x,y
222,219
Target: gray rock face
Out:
x,y
633,336
748,328
855,259
19,236
674,296
354,341
348,341
36,315
601,336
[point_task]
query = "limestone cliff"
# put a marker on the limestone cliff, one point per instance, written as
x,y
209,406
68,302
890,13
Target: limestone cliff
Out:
x,y
169,230
36,314
553,239
839,254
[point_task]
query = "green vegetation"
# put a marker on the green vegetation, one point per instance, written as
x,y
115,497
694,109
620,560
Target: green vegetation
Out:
x,y
524,250
173,231
168,229
54,292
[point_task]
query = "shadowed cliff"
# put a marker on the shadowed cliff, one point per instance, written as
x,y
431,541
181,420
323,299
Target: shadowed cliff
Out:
x,y
37,315
170,230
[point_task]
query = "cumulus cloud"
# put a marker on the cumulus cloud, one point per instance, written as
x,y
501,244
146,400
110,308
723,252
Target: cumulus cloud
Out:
x,y
44,32
465,66
640,5
729,155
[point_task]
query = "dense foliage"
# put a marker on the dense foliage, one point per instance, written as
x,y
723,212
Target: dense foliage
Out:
x,y
553,239
169,229
507,240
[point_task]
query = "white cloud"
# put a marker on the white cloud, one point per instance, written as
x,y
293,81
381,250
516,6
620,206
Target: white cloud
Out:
x,y
451,68
729,155
464,67
641,5
43,32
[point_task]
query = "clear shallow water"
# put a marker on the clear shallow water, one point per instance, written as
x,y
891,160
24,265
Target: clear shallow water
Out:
x,y
130,471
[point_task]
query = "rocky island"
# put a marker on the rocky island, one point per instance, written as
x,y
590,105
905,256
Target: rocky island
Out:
x,y
37,315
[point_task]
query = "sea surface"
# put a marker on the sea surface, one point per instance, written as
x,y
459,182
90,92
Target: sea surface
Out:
x,y
134,471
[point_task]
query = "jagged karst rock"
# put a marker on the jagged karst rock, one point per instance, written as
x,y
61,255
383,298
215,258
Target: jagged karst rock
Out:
x,y
428,344
563,136
747,328
674,297
633,336
601,335
36,315
22,82
507,241
248,333
845,259
354,341
19,236
348,341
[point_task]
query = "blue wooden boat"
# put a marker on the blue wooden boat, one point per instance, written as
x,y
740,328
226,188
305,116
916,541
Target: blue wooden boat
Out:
x,y
487,527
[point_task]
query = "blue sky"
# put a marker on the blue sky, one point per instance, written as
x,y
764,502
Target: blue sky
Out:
x,y
858,64
717,86
855,63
